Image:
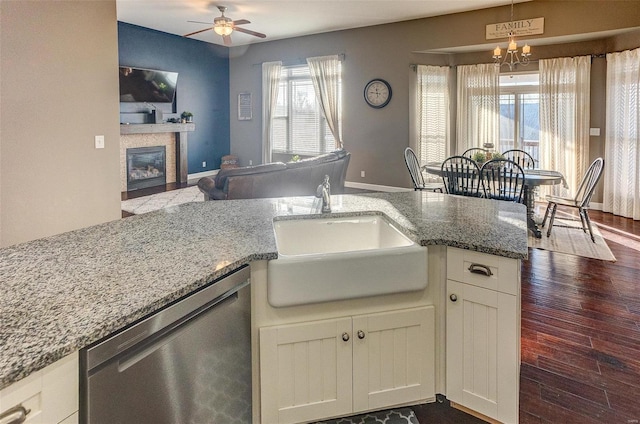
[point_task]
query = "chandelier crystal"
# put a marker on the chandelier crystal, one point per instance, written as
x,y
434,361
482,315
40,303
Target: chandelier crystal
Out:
x,y
512,57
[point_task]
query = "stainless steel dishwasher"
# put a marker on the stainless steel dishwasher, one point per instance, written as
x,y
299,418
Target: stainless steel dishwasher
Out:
x,y
188,363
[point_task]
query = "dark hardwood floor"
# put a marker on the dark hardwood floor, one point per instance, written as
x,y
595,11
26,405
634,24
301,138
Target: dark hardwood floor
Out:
x,y
580,336
581,332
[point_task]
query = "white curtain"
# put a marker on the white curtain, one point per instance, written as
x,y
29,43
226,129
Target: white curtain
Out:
x,y
622,148
270,85
478,106
564,118
432,113
326,74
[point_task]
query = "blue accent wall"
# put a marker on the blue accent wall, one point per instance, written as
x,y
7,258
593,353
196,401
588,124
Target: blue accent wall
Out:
x,y
203,86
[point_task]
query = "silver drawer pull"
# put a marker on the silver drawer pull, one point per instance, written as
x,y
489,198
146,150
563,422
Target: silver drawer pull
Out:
x,y
345,337
480,269
15,415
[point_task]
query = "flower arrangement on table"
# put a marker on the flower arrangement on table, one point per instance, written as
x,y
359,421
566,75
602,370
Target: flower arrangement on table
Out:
x,y
482,157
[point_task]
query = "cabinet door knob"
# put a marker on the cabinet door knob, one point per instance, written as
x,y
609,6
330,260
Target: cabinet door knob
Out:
x,y
361,334
345,337
453,297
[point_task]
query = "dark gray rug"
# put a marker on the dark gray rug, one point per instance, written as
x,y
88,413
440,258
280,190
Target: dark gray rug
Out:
x,y
392,416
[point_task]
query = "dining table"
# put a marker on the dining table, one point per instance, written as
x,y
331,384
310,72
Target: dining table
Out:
x,y
532,178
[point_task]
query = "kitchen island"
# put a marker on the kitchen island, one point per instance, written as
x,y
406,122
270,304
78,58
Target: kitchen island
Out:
x,y
62,293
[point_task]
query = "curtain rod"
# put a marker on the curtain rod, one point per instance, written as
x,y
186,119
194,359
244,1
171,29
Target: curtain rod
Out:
x,y
301,60
414,66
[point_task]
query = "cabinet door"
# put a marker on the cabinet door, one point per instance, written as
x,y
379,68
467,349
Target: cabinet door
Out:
x,y
306,371
482,350
393,358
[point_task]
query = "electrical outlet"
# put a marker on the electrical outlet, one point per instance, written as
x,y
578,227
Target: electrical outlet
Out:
x,y
204,163
250,162
362,174
99,141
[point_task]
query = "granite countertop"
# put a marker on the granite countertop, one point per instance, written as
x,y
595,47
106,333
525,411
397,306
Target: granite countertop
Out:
x,y
62,293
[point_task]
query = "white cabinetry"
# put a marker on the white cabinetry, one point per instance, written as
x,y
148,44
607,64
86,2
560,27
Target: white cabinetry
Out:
x,y
336,367
50,395
483,333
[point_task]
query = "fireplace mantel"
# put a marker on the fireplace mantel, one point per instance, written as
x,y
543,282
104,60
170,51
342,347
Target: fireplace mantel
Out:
x,y
156,128
180,130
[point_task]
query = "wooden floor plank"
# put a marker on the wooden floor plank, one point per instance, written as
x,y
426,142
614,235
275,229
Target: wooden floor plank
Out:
x,y
601,413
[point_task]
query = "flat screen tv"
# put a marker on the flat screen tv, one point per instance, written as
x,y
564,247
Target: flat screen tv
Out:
x,y
147,85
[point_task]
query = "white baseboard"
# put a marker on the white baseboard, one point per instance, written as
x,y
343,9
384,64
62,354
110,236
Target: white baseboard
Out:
x,y
195,177
375,187
595,206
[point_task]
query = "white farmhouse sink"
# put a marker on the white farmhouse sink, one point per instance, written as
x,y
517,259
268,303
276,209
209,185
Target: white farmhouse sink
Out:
x,y
327,259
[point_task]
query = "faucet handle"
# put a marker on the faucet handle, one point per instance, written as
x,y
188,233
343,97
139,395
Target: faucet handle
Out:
x,y
324,186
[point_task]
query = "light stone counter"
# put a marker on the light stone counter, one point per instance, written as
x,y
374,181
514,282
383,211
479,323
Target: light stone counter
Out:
x,y
61,293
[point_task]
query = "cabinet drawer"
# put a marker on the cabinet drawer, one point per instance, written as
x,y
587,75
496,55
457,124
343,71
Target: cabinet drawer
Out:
x,y
483,270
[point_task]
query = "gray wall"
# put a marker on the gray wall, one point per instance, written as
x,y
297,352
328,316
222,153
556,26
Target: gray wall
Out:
x,y
59,88
376,138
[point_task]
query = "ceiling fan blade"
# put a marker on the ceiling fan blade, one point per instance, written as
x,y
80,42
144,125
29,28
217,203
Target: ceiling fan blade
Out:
x,y
241,22
247,31
198,22
196,32
227,40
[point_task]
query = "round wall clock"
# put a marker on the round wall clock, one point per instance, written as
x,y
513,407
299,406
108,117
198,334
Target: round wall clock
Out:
x,y
377,93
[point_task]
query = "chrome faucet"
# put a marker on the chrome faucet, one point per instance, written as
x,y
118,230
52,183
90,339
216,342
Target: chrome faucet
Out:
x,y
324,192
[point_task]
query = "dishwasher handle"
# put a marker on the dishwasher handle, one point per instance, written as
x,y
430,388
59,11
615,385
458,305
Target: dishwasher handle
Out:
x,y
16,415
140,351
121,342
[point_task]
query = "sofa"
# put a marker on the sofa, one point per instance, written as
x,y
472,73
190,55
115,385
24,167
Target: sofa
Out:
x,y
278,179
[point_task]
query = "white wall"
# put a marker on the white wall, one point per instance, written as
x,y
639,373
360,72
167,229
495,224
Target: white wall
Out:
x,y
59,86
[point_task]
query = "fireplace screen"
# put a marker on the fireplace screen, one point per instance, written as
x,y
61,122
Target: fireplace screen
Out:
x,y
146,167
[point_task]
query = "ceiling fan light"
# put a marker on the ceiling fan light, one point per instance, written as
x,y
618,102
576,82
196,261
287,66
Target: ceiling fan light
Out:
x,y
223,29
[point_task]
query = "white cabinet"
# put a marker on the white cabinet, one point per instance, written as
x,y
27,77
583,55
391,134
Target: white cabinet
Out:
x,y
336,367
51,394
483,333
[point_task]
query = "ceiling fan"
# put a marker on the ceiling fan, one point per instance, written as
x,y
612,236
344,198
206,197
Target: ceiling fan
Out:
x,y
225,26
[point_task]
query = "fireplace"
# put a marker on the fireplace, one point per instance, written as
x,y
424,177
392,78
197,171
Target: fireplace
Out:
x,y
146,167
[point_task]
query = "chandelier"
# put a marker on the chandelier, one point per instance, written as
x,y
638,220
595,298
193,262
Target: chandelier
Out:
x,y
511,57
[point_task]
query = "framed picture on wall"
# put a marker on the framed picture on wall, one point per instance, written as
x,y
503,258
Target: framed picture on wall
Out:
x,y
244,107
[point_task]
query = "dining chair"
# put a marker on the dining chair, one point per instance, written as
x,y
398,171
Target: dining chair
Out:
x,y
502,179
461,175
580,201
522,158
472,151
413,165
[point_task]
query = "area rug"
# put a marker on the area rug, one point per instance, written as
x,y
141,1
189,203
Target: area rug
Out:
x,y
163,200
392,416
568,237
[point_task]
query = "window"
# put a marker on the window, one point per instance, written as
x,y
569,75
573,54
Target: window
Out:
x,y
519,114
299,126
432,113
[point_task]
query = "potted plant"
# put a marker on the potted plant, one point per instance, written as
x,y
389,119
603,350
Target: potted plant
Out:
x,y
187,116
479,157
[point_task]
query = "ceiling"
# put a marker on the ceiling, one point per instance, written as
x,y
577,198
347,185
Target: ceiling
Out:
x,y
280,19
